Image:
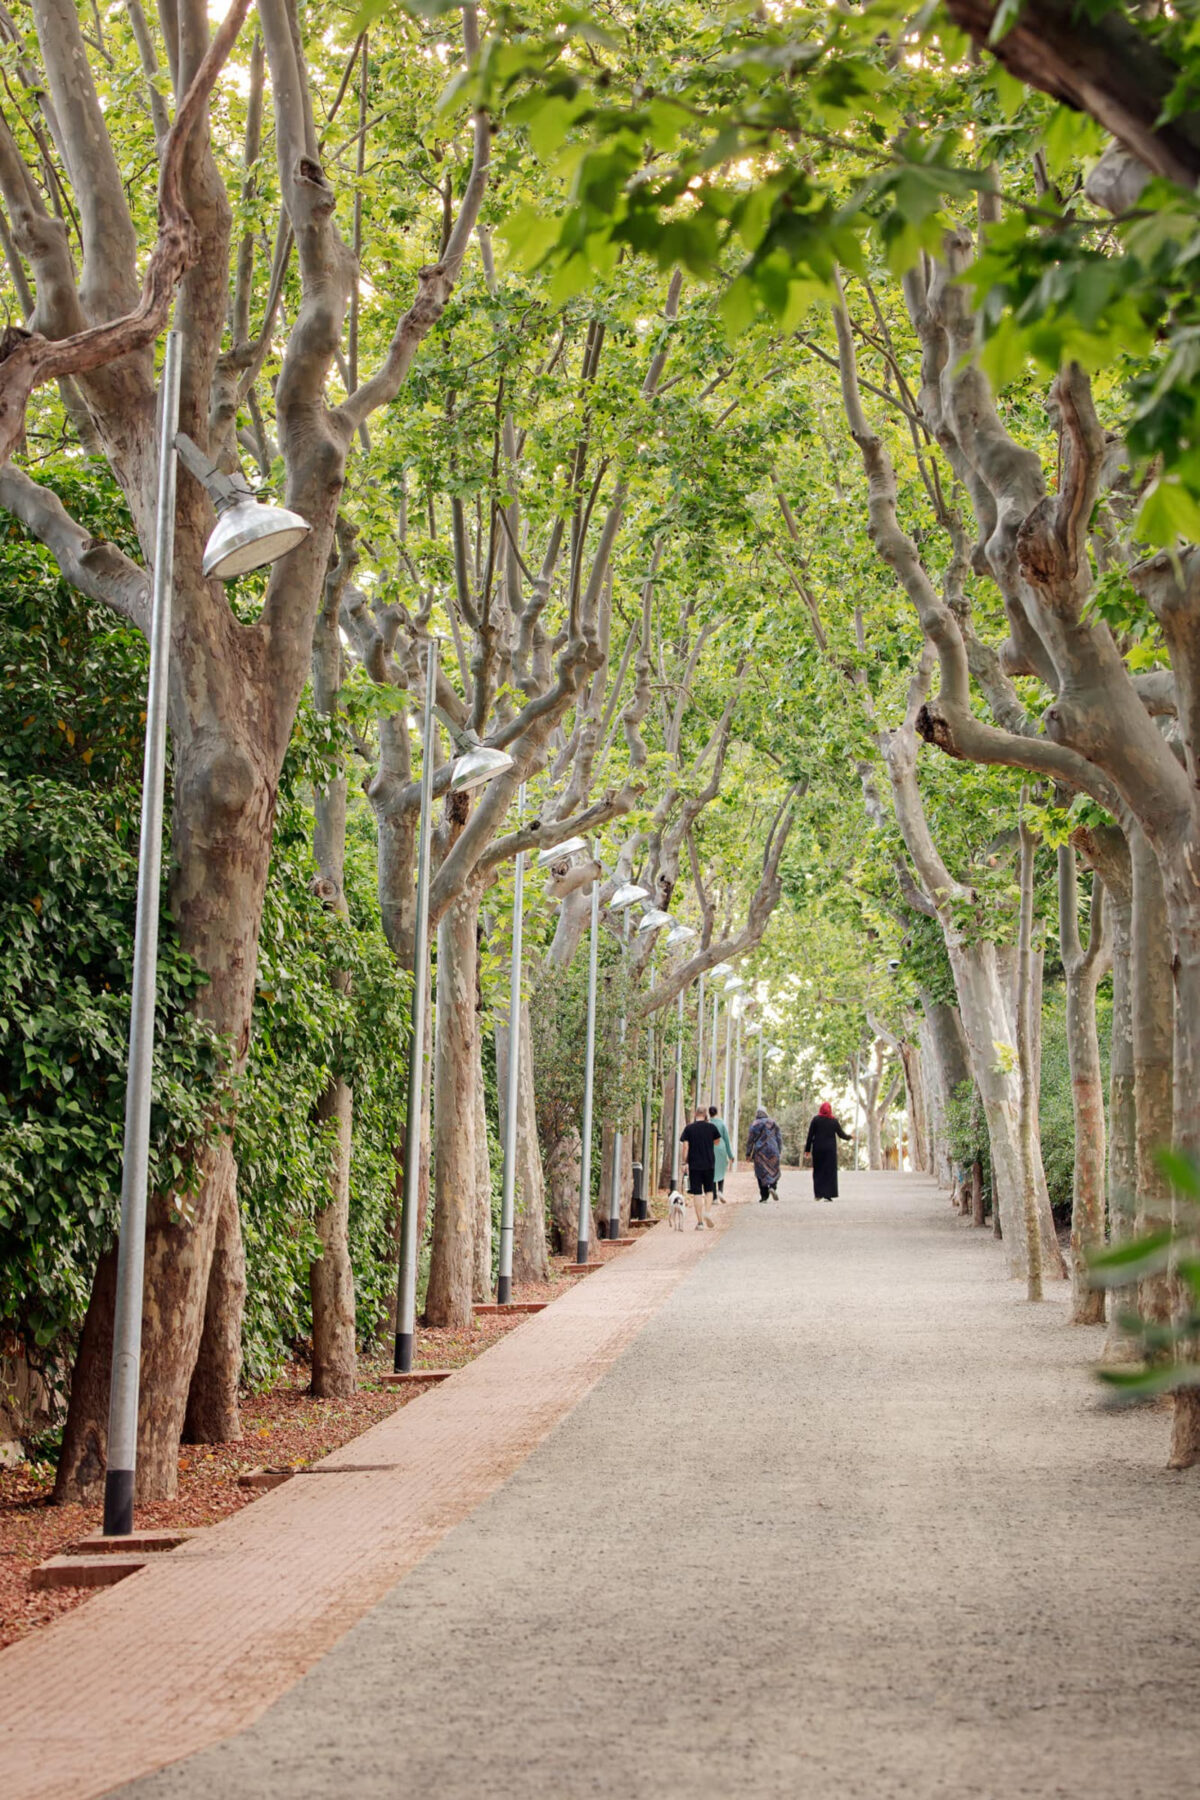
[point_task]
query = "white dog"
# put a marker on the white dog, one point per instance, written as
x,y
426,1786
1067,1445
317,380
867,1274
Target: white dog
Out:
x,y
678,1208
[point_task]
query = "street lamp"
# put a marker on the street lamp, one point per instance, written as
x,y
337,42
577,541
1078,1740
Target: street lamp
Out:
x,y
473,775
627,895
267,532
653,920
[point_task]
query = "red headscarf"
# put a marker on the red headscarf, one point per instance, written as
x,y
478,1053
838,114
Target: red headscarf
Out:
x,y
826,1110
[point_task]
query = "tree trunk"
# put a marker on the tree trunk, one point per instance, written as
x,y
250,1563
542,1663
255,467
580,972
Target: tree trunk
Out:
x,y
483,1191
212,1408
331,1277
530,1260
1122,1120
1185,922
222,822
1153,1060
1027,1062
950,1068
449,1295
563,1175
1083,971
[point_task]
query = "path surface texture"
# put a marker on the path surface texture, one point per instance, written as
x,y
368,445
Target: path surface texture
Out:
x,y
844,1519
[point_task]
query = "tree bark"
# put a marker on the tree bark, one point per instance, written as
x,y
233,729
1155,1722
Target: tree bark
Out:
x,y
212,1409
1027,1062
1153,1061
331,1276
455,1075
482,1285
1083,969
530,1260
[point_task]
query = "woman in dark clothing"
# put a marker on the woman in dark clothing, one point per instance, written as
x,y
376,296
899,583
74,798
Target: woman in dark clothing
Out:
x,y
764,1147
821,1144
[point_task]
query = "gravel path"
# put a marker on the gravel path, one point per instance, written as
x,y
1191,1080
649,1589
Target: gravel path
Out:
x,y
845,1520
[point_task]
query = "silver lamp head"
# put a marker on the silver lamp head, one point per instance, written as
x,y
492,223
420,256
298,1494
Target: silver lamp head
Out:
x,y
678,934
733,984
248,535
476,766
653,920
721,969
561,852
628,894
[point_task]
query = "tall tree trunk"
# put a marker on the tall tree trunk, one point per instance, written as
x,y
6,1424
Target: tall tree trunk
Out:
x,y
950,1068
223,818
1027,1061
212,1408
1185,922
482,1287
331,1276
530,1260
1122,1118
1083,971
1153,1060
563,1175
448,1298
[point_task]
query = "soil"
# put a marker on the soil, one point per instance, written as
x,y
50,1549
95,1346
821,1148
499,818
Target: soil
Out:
x,y
282,1427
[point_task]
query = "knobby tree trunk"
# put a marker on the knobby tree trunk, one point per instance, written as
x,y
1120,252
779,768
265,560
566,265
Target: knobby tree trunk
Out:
x,y
449,1295
1027,1063
223,818
1153,1060
482,1286
331,1275
1083,970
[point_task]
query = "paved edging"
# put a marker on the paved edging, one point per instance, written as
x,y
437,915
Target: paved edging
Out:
x,y
197,1645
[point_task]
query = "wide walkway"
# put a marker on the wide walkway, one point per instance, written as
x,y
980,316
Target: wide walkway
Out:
x,y
843,1521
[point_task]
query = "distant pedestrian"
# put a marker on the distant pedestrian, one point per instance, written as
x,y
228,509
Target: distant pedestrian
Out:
x,y
764,1147
821,1144
724,1151
699,1140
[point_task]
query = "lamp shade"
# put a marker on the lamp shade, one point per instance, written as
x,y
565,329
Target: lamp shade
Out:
x,y
476,766
678,934
249,535
721,969
561,852
733,984
628,894
653,920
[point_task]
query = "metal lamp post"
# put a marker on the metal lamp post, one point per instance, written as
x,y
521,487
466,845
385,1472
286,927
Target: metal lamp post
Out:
x,y
627,895
263,534
699,1042
480,764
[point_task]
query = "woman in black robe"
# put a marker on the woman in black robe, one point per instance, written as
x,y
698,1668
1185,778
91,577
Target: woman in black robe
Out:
x,y
821,1144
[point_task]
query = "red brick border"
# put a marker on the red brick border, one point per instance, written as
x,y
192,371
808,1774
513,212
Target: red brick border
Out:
x,y
200,1642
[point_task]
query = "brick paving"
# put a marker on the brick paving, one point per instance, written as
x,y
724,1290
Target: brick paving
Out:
x,y
199,1643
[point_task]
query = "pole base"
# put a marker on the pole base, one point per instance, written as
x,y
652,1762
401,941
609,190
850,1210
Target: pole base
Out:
x,y
581,1250
503,1290
404,1352
118,1503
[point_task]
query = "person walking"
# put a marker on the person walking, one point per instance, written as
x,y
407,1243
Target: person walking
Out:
x,y
699,1140
821,1144
724,1152
764,1147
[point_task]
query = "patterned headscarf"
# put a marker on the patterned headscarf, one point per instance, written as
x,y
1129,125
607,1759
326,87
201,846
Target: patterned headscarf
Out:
x,y
826,1110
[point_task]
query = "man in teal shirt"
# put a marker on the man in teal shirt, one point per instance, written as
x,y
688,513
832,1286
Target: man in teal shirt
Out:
x,y
722,1150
